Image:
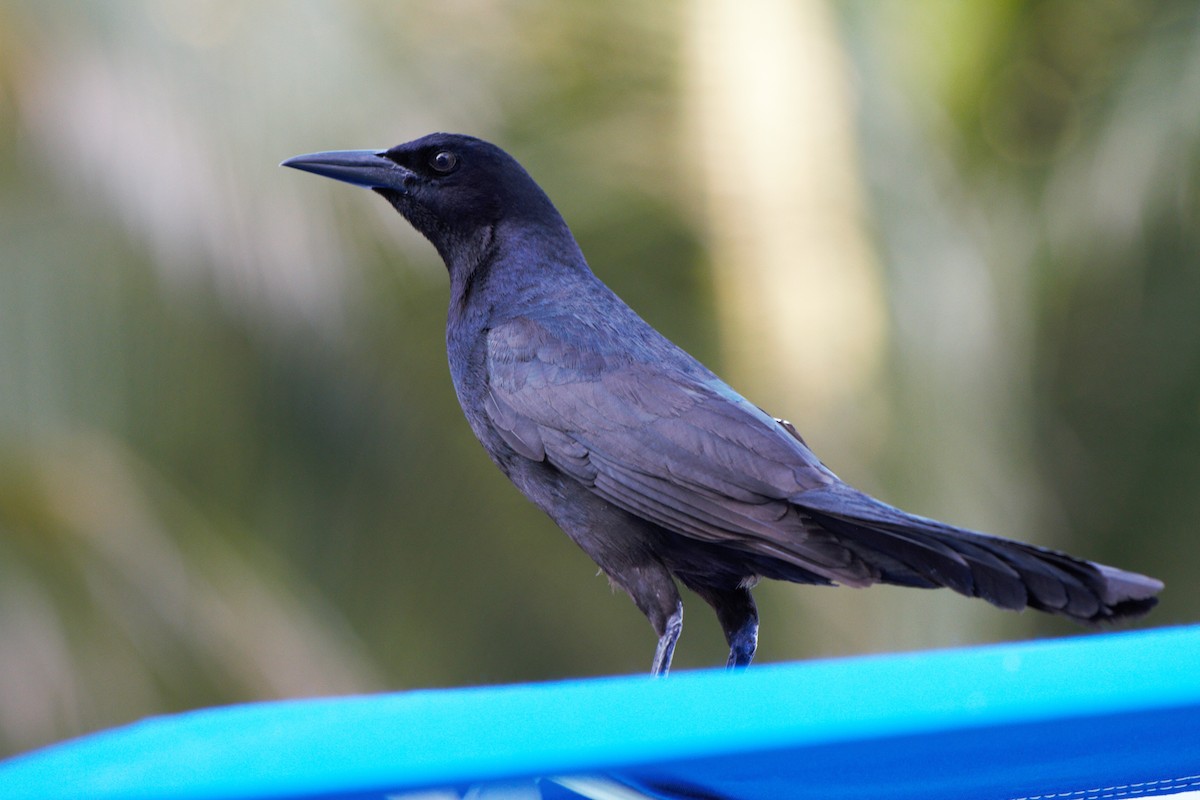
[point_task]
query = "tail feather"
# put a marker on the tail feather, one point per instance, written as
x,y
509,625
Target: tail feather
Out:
x,y
1131,594
915,551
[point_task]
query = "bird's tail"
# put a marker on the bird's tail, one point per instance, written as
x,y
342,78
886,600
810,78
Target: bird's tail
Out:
x,y
914,551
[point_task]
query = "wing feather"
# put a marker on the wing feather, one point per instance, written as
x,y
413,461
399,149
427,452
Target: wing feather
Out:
x,y
669,442
672,446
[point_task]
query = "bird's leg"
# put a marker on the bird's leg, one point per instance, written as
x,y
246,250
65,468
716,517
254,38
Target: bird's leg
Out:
x,y
666,641
653,590
742,643
738,617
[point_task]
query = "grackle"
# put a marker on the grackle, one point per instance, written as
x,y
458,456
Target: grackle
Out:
x,y
654,466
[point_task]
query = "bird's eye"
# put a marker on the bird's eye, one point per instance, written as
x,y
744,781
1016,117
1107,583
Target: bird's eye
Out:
x,y
443,161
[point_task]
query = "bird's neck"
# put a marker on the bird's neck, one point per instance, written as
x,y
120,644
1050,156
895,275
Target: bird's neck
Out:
x,y
469,262
506,267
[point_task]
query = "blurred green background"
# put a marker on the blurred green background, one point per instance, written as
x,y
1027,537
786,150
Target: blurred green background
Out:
x,y
958,244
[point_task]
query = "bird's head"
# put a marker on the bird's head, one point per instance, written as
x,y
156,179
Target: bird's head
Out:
x,y
454,189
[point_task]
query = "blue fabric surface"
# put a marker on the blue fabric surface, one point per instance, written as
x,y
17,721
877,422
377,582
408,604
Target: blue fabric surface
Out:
x,y
1101,717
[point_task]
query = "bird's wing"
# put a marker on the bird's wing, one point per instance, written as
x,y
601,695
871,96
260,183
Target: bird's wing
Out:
x,y
673,446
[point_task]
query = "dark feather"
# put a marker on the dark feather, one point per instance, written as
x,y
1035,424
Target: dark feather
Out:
x,y
680,449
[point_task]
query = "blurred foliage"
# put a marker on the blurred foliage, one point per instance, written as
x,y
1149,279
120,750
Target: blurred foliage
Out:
x,y
231,463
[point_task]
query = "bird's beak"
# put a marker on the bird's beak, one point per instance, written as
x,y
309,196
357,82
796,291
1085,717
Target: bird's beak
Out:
x,y
366,168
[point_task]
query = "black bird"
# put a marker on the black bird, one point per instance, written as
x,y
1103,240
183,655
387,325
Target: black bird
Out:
x,y
654,466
